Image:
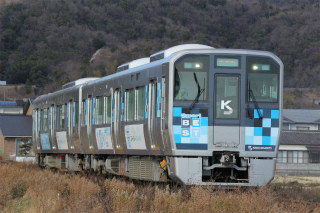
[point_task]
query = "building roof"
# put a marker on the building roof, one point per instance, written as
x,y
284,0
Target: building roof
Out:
x,y
300,138
16,125
9,104
301,116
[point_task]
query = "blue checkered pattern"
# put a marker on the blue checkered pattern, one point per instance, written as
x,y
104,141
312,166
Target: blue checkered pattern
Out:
x,y
190,130
262,131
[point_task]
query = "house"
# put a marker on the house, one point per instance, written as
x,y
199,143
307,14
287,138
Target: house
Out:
x,y
299,150
15,129
10,107
19,107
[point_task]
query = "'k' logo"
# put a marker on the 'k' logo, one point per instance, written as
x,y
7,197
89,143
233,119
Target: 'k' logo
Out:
x,y
225,105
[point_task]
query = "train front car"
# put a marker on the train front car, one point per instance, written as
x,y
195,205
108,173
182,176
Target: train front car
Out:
x,y
224,116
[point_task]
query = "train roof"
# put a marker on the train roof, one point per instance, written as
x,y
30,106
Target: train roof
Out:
x,y
156,59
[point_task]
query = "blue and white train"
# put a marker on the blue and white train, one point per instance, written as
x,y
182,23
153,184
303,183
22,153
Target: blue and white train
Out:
x,y
191,114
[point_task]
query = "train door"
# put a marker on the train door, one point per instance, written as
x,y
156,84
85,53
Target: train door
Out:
x,y
116,117
152,125
227,110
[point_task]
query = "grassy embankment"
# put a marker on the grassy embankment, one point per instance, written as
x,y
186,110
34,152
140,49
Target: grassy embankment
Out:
x,y
26,188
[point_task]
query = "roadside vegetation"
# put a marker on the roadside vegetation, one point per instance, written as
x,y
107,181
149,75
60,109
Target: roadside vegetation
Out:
x,y
27,188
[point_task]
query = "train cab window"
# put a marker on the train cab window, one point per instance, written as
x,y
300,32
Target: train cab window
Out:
x,y
108,110
263,80
99,110
140,103
129,105
191,78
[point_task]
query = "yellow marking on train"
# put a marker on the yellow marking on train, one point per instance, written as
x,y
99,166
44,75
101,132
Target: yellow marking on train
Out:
x,y
155,149
163,164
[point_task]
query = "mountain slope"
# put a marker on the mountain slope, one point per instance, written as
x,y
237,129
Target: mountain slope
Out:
x,y
49,43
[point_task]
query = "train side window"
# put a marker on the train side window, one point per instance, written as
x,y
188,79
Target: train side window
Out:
x,y
49,118
83,113
45,120
41,118
65,116
140,103
75,114
99,110
108,110
61,110
90,114
129,104
69,115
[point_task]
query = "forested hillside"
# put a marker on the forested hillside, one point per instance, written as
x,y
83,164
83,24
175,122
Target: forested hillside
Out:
x,y
51,42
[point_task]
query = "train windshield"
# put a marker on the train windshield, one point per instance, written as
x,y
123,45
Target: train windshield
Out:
x,y
263,80
191,78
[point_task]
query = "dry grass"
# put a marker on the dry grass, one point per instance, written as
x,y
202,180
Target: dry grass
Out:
x,y
26,188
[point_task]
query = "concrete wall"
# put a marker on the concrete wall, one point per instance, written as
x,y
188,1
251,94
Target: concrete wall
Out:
x,y
298,169
9,147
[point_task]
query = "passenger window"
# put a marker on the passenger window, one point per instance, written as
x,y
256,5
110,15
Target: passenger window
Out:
x,y
129,103
61,116
75,114
45,120
227,97
99,110
83,113
41,118
108,110
140,103
49,118
191,77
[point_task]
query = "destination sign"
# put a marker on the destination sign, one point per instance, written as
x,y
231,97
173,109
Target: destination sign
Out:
x,y
228,62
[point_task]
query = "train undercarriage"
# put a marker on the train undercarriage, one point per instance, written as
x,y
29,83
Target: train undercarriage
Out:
x,y
223,168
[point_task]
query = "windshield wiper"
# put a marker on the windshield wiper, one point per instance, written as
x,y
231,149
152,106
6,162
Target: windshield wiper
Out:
x,y
256,106
200,91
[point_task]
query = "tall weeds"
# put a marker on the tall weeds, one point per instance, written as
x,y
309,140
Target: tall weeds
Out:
x,y
26,188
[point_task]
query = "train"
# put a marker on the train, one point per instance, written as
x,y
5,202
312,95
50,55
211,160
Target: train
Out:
x,y
191,114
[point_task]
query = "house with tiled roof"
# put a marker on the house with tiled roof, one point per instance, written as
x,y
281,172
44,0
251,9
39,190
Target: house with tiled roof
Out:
x,y
299,150
15,129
